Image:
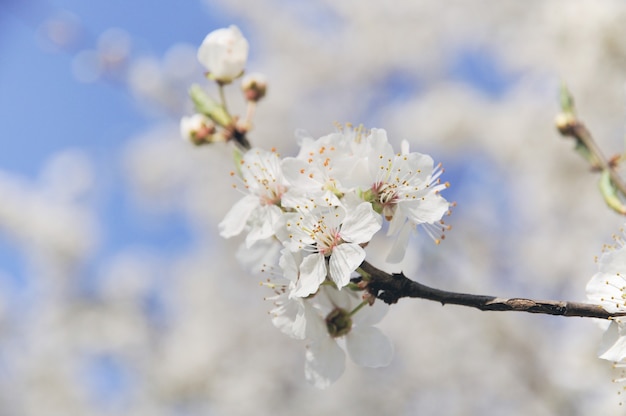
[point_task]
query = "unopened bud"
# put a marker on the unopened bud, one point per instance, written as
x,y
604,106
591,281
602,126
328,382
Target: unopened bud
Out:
x,y
198,129
224,53
564,123
254,87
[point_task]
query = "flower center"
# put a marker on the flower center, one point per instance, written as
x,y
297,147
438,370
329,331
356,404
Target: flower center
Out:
x,y
327,238
272,194
338,322
384,199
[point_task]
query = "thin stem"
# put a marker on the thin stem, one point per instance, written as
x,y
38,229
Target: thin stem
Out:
x,y
391,287
579,131
365,275
220,88
250,110
241,140
355,310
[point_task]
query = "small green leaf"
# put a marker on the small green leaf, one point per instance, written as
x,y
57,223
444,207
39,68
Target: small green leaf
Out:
x,y
611,194
207,106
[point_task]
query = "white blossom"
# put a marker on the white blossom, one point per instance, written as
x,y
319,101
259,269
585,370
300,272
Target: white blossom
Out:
x,y
259,210
332,238
333,320
404,188
320,169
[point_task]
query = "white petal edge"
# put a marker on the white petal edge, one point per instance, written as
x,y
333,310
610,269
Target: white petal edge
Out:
x,y
369,347
289,318
398,249
613,347
325,363
235,220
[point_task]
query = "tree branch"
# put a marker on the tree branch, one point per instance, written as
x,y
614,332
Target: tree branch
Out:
x,y
391,287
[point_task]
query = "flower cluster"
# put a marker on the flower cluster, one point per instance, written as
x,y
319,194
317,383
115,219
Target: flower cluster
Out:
x,y
310,217
321,208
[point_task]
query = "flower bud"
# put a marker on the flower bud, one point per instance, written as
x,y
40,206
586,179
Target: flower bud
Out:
x,y
197,129
254,86
565,122
224,53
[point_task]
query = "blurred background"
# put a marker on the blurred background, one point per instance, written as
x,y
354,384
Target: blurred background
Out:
x,y
117,296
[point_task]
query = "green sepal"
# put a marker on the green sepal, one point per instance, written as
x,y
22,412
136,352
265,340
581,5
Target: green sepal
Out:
x,y
610,193
207,106
338,322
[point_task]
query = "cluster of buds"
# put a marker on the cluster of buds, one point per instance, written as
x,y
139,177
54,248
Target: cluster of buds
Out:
x,y
224,53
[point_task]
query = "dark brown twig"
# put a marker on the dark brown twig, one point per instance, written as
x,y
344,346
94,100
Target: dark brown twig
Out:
x,y
391,287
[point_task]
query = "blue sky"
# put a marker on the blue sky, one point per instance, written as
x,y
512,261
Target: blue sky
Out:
x,y
44,109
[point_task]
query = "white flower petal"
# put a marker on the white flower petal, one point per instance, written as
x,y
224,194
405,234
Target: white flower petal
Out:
x,y
613,347
325,363
288,263
613,262
302,175
289,318
265,224
361,224
235,220
398,249
602,292
428,210
256,258
316,328
369,347
344,299
344,260
312,274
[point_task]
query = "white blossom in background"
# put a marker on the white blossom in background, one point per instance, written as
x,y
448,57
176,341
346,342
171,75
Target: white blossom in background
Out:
x,y
52,218
608,289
